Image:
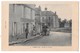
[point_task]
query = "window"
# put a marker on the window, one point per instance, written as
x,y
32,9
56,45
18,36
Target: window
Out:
x,y
13,7
14,28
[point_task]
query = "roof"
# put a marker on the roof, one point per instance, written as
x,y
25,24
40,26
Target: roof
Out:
x,y
32,6
37,11
49,13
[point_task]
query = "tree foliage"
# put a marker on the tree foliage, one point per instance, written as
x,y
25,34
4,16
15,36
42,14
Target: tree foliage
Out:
x,y
63,22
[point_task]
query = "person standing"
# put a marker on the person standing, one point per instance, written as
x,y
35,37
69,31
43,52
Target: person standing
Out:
x,y
26,31
45,29
34,31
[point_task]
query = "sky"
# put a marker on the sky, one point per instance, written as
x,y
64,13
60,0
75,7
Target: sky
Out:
x,y
63,10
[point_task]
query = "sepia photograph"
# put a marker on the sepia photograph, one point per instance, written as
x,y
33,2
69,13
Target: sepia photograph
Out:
x,y
41,25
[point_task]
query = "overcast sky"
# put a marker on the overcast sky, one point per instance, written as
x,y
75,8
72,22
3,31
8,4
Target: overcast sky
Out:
x,y
63,10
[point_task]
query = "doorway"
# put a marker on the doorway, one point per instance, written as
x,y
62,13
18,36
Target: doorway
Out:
x,y
25,25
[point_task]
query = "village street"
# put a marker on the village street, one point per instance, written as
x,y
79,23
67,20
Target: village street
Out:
x,y
54,39
28,21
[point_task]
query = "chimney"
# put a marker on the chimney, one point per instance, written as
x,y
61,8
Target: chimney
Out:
x,y
55,12
45,9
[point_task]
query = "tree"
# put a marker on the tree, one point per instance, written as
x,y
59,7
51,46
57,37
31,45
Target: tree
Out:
x,y
59,22
62,23
70,22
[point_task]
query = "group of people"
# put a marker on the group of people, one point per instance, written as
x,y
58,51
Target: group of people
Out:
x,y
32,33
44,30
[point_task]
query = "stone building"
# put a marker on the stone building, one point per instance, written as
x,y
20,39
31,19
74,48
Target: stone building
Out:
x,y
50,18
67,25
38,19
21,16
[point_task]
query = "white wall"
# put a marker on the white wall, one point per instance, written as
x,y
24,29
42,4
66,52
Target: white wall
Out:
x,y
27,13
16,14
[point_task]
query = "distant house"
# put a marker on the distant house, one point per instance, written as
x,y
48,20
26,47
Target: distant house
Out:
x,y
50,18
67,25
21,16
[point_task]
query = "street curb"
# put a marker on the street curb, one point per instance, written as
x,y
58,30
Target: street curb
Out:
x,y
22,40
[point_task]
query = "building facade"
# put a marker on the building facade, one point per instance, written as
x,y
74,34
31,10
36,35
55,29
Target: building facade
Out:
x,y
38,19
45,17
50,18
21,16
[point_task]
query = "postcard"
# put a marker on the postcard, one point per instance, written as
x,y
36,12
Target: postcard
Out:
x,y
40,25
